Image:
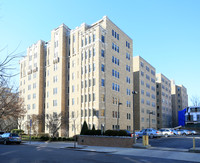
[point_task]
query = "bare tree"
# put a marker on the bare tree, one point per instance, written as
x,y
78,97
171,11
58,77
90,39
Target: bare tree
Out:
x,y
195,100
53,123
11,107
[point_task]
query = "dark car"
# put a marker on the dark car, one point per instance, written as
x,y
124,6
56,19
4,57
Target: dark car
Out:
x,y
8,138
1,133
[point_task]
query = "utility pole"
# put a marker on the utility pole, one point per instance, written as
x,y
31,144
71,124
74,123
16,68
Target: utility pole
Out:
x,y
134,140
149,118
119,103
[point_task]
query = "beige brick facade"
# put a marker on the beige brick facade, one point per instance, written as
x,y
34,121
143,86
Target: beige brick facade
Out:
x,y
82,74
164,105
145,101
179,101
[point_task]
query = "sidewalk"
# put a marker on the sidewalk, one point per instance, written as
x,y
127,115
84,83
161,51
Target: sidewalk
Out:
x,y
166,153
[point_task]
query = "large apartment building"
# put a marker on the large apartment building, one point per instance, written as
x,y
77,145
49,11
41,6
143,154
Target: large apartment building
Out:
x,y
84,74
179,101
164,106
144,76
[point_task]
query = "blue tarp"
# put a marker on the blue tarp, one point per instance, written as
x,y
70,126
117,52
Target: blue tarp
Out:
x,y
181,117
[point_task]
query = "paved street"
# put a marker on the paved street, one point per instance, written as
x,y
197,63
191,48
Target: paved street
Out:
x,y
183,142
37,154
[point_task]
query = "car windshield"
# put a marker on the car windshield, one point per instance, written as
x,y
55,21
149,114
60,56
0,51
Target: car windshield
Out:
x,y
15,135
162,130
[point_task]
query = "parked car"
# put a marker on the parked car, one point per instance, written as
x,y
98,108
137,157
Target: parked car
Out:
x,y
136,135
140,133
1,132
8,138
174,132
192,132
150,132
166,132
183,132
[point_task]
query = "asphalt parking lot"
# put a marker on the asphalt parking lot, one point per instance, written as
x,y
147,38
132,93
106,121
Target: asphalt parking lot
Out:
x,y
182,142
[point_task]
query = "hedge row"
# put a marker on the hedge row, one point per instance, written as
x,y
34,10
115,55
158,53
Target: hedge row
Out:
x,y
46,138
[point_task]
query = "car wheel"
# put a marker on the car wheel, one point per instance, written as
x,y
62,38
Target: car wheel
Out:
x,y
151,136
18,142
166,135
5,142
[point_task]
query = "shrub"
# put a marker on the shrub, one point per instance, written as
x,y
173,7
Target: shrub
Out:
x,y
84,128
44,138
17,131
115,133
122,133
53,139
60,139
64,139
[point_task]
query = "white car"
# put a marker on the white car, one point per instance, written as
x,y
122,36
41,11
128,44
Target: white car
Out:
x,y
166,132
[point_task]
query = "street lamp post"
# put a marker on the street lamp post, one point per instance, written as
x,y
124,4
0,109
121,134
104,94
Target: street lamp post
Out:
x,y
149,118
119,103
134,140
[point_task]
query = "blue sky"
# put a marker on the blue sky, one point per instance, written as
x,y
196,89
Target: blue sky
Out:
x,y
165,32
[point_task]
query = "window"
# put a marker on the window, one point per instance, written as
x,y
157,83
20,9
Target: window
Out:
x,y
94,82
102,38
54,102
29,87
102,82
147,94
128,56
73,88
147,77
93,52
115,47
33,106
73,76
85,83
29,97
152,80
141,64
153,88
34,95
142,91
142,101
102,68
93,66
102,53
128,104
85,40
128,80
142,82
85,98
153,72
73,101
85,54
89,39
54,91
148,102
128,68
142,73
93,37
147,85
89,53
115,60
128,92
93,96
89,97
89,82
147,68
115,87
